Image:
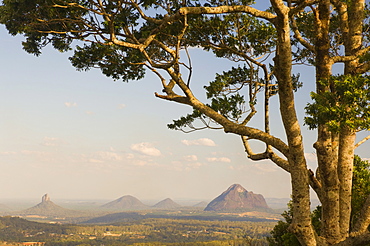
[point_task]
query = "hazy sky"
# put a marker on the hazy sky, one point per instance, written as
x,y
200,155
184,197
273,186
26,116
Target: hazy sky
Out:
x,y
80,135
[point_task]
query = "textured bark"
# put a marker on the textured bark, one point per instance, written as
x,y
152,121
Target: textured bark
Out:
x,y
301,224
345,172
364,219
326,145
351,23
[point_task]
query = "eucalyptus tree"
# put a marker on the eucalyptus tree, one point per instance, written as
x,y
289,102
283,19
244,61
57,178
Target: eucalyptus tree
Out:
x,y
126,39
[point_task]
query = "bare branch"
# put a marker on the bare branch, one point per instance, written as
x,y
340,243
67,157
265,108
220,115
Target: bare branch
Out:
x,y
229,126
228,9
362,141
299,37
268,154
315,184
175,98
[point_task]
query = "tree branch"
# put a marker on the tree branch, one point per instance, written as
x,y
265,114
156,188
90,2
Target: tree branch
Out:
x,y
355,240
362,141
229,126
228,9
268,154
299,37
363,221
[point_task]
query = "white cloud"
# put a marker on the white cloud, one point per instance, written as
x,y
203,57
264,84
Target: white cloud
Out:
x,y
90,112
50,141
145,149
201,141
70,104
121,106
34,153
109,156
190,158
8,153
194,165
266,167
94,161
218,159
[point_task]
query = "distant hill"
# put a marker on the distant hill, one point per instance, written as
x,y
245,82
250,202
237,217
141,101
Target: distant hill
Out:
x,y
201,205
49,209
166,204
115,217
125,203
4,208
237,199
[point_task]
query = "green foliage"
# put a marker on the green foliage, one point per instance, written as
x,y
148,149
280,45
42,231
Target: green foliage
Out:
x,y
345,104
232,35
360,186
114,61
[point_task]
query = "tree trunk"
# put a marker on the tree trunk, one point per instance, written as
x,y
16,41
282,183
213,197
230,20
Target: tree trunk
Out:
x,y
326,145
301,224
345,173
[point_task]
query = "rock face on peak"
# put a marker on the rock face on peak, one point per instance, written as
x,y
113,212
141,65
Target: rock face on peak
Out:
x,y
237,199
125,203
45,198
166,204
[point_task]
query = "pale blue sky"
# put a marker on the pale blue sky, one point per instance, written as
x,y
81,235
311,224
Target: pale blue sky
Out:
x,y
80,135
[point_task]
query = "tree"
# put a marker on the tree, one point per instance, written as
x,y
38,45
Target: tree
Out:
x,y
360,191
127,38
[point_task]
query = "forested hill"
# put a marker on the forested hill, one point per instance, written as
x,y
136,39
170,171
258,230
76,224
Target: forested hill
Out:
x,y
17,229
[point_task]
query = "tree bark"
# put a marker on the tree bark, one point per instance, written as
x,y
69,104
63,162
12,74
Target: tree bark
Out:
x,y
326,145
345,173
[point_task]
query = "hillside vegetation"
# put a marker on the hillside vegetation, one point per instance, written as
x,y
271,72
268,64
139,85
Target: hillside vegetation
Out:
x,y
149,231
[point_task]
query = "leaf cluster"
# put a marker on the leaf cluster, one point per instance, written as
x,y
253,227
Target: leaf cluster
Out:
x,y
114,61
345,103
231,36
36,19
360,186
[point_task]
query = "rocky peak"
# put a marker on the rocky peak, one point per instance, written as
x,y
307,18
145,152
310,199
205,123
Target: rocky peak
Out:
x,y
45,198
237,199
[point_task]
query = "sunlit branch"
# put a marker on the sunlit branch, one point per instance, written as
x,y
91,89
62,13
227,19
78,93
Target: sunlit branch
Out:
x,y
228,9
282,163
362,141
68,5
228,126
162,79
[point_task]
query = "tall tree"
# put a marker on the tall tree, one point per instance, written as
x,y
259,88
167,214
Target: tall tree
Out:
x,y
127,38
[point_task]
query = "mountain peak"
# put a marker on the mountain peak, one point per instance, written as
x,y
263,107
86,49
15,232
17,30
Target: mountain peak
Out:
x,y
237,188
45,198
237,199
47,208
125,203
167,203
